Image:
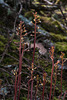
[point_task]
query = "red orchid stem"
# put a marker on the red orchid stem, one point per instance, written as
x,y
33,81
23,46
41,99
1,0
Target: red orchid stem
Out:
x,y
61,79
33,59
36,90
43,90
54,86
20,62
19,88
28,89
20,58
15,86
20,72
34,41
61,75
31,88
51,79
44,79
64,95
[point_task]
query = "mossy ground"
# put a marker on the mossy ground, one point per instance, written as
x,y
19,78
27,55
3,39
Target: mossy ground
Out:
x,y
12,50
61,46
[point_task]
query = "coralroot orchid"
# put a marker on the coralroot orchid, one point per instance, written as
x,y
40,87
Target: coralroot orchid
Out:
x,y
36,20
62,56
64,94
44,80
56,66
21,32
52,58
37,86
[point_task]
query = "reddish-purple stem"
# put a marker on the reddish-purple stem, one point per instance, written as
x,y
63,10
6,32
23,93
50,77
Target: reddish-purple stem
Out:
x,y
20,59
43,90
31,88
33,57
34,41
61,79
15,86
44,79
20,71
61,75
20,64
28,89
64,95
19,87
36,92
54,88
51,79
36,86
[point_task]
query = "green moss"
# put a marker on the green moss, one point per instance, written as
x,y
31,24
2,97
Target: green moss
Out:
x,y
42,13
1,74
9,99
3,11
1,47
13,46
46,19
8,61
55,98
23,11
23,98
58,37
29,15
61,46
57,25
36,2
1,23
7,75
1,44
3,39
48,69
51,26
12,51
15,40
28,55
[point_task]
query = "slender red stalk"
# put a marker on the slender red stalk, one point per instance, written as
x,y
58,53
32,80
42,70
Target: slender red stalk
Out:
x,y
62,55
34,40
31,89
36,87
15,86
56,66
61,74
0,90
33,57
64,95
36,92
19,32
40,97
20,63
20,71
19,87
52,57
28,89
51,79
54,83
0,87
44,79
